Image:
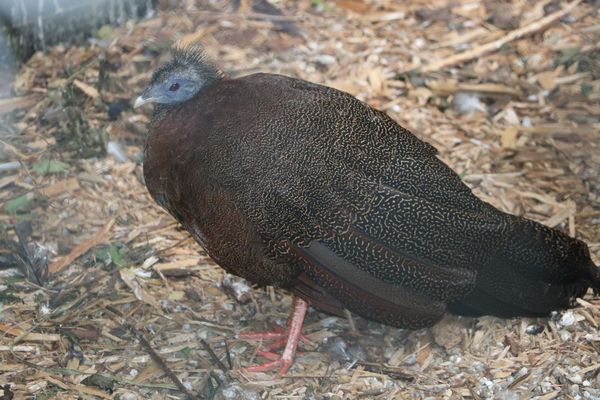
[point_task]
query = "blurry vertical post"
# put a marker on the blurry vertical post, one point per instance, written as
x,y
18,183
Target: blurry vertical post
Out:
x,y
27,26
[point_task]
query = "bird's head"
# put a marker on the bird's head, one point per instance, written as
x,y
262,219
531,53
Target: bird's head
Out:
x,y
180,79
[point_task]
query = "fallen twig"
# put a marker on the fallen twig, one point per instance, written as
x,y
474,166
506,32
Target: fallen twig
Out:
x,y
497,44
213,356
228,356
158,360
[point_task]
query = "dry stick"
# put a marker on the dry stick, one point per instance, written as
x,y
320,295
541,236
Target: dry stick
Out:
x,y
497,44
158,360
228,355
213,356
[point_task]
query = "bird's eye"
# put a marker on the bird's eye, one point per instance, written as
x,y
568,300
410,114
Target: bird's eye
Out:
x,y
174,87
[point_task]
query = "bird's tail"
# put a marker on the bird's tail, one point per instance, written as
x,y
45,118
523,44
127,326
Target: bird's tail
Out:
x,y
593,277
536,271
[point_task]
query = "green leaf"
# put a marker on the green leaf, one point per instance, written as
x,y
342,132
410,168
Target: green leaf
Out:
x,y
7,297
111,254
12,280
102,381
116,256
16,204
321,5
586,89
48,394
45,166
186,351
568,55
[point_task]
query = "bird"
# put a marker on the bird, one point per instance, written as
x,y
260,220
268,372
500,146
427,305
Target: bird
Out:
x,y
304,187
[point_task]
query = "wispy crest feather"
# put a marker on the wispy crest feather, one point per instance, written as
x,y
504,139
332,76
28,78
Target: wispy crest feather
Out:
x,y
186,53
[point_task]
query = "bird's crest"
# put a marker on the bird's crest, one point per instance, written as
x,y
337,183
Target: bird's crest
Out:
x,y
190,53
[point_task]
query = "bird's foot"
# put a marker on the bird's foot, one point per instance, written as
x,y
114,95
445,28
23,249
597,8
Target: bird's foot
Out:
x,y
280,363
288,337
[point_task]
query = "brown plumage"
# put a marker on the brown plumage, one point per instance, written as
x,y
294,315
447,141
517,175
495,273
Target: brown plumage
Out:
x,y
301,186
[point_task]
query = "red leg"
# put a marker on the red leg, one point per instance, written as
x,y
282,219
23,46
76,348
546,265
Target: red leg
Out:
x,y
279,339
284,362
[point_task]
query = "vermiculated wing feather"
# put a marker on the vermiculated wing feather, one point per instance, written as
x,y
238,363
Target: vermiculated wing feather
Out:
x,y
359,291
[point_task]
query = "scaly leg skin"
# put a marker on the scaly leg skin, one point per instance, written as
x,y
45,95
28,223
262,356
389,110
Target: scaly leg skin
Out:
x,y
279,337
283,362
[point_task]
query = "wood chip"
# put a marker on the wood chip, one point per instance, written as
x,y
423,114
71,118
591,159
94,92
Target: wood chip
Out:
x,y
28,337
15,103
61,187
87,89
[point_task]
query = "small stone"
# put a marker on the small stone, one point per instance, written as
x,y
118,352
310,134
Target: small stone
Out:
x,y
337,347
455,359
506,395
356,352
534,329
486,382
575,378
467,103
526,123
522,372
567,319
45,309
477,366
127,396
565,336
411,359
237,288
238,392
325,59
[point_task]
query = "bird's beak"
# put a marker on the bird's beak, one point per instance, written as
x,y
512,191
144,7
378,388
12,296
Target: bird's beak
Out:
x,y
146,97
141,100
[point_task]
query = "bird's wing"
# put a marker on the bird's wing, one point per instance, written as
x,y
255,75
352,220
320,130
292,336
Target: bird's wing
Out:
x,y
367,208
368,243
373,216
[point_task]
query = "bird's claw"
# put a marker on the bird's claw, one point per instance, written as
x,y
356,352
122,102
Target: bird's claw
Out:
x,y
282,364
290,337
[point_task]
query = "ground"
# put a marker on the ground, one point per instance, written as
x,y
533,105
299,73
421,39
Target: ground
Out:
x,y
507,91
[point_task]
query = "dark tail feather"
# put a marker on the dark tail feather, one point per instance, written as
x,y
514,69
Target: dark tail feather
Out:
x,y
504,292
592,278
534,271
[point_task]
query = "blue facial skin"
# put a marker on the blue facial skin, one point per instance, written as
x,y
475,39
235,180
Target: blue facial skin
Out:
x,y
175,89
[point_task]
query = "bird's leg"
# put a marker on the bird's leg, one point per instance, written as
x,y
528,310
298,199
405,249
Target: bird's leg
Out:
x,y
294,328
279,337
